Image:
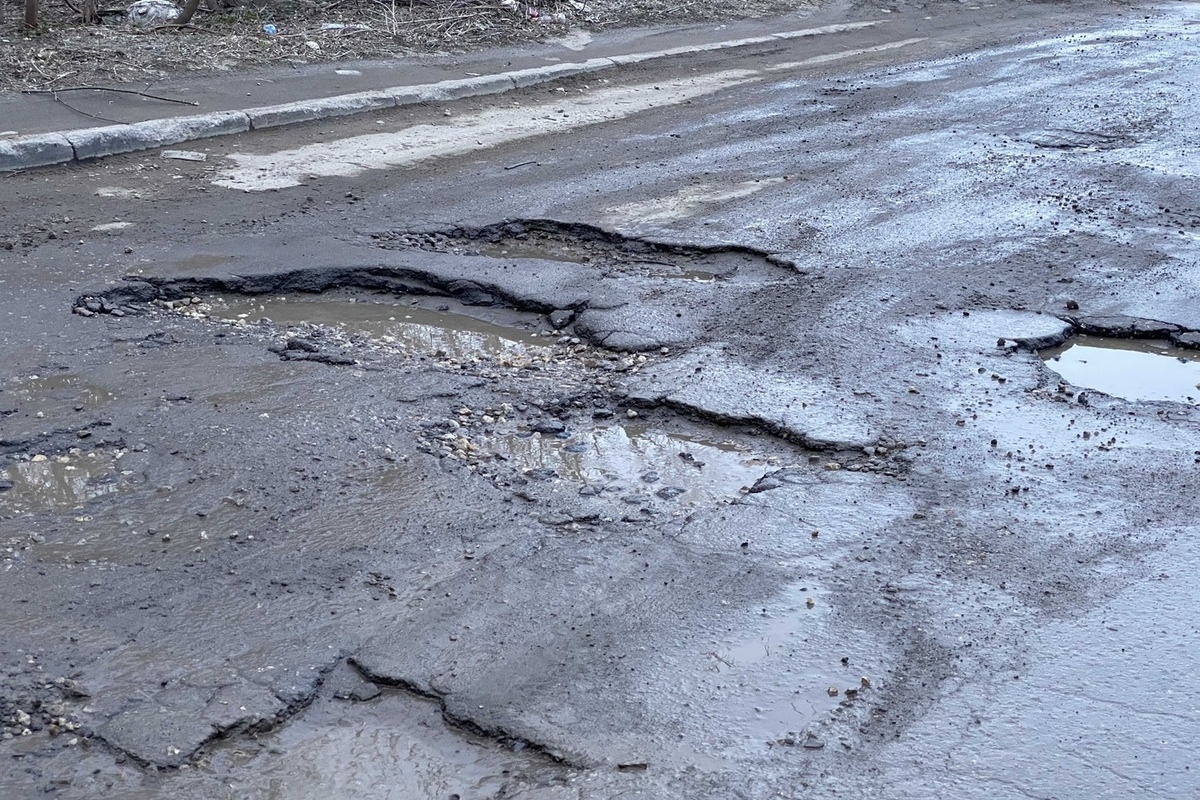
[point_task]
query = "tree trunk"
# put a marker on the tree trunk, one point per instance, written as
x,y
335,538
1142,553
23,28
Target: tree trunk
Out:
x,y
31,9
189,8
88,12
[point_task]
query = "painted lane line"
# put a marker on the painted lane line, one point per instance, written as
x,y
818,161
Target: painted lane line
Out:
x,y
357,154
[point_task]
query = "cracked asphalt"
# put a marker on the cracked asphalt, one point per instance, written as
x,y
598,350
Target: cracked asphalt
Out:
x,y
700,451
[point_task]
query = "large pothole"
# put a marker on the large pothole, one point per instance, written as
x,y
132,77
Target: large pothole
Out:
x,y
551,240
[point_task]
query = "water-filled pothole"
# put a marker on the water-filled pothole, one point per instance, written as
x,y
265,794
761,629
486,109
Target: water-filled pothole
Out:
x,y
66,481
433,325
633,463
1134,369
577,243
64,387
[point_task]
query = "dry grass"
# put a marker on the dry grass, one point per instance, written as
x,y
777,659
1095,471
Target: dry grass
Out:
x,y
65,52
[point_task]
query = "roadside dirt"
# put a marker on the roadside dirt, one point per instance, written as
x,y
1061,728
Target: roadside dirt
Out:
x,y
65,52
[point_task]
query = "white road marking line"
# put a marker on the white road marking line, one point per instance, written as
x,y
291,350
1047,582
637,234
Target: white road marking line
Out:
x,y
357,154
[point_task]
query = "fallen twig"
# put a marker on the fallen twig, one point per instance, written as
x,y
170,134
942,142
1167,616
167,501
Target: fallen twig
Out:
x,y
81,111
109,89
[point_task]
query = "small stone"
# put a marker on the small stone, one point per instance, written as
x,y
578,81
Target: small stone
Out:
x,y
83,312
128,250
302,344
810,602
832,691
166,537
631,414
1072,305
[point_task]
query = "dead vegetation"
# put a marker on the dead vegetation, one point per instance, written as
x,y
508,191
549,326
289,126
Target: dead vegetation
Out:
x,y
64,50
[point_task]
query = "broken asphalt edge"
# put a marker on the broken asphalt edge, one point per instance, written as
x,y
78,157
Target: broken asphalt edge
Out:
x,y
62,147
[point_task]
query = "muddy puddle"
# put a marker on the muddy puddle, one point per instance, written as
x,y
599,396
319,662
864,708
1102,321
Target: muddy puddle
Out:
x,y
59,482
426,325
393,746
634,462
67,388
1133,369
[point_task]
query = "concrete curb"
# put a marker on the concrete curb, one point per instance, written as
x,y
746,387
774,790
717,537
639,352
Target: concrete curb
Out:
x,y
114,139
48,149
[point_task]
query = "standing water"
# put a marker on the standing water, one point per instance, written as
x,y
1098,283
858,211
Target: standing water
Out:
x,y
1134,369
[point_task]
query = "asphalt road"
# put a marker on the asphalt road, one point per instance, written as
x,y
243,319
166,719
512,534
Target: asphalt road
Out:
x,y
680,434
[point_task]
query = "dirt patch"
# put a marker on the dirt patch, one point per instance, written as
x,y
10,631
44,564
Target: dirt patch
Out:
x,y
64,52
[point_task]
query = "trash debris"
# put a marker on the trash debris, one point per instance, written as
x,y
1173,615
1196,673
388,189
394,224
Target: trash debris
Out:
x,y
342,26
347,72
150,13
311,45
184,155
270,30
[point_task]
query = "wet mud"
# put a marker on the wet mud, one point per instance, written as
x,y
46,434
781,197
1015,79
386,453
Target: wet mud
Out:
x,y
552,511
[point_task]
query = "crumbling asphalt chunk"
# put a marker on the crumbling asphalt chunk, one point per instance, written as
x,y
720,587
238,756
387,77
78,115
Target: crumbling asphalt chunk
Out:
x,y
1124,327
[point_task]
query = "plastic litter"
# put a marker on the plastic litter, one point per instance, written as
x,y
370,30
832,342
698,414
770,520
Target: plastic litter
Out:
x,y
270,30
149,13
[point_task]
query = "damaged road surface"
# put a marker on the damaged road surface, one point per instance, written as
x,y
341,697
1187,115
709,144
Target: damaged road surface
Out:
x,y
822,423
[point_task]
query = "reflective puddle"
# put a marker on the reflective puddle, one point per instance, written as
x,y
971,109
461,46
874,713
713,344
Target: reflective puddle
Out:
x,y
433,325
57,482
1131,369
632,461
